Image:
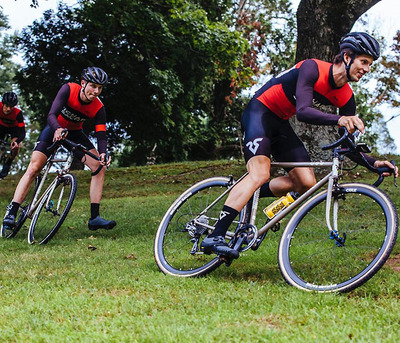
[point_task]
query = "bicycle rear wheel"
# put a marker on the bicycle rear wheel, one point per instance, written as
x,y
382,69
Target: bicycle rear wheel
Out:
x,y
178,237
311,260
52,209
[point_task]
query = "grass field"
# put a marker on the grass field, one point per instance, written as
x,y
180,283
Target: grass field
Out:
x,y
105,286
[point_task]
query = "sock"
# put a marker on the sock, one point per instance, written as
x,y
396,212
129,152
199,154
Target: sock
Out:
x,y
94,210
265,191
14,208
226,217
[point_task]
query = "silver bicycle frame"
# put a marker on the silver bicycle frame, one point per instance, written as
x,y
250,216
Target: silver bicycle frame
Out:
x,y
64,169
329,178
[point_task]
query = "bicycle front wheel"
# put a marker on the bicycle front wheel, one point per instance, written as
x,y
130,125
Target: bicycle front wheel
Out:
x,y
311,259
52,209
182,229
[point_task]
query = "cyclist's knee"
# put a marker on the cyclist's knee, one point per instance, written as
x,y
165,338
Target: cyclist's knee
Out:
x,y
97,170
259,177
34,169
305,185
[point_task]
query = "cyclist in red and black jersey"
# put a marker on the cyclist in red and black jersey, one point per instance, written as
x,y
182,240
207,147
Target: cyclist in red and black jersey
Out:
x,y
11,123
73,104
267,130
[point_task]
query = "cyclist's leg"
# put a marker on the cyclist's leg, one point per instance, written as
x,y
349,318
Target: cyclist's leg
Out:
x,y
288,147
38,160
10,157
96,184
257,150
36,164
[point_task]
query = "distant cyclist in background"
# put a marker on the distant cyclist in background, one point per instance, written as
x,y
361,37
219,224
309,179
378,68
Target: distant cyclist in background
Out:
x,y
73,104
11,123
268,132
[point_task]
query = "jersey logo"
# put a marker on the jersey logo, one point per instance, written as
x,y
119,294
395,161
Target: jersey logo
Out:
x,y
253,145
223,214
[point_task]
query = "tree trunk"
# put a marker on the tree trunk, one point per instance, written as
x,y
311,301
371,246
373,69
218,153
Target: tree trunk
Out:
x,y
320,25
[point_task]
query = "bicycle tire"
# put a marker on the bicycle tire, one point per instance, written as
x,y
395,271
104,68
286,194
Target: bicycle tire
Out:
x,y
22,214
174,242
310,260
47,220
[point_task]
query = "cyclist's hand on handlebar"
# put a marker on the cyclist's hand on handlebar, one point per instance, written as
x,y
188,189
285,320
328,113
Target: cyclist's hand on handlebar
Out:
x,y
351,123
103,160
14,144
59,134
379,164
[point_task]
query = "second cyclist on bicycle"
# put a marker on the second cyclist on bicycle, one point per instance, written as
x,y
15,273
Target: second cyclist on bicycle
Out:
x,y
11,123
73,104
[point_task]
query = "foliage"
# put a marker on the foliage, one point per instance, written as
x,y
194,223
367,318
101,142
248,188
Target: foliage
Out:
x,y
388,83
164,59
7,49
376,89
176,67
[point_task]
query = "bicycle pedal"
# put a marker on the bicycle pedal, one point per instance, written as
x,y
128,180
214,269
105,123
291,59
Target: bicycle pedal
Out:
x,y
225,260
276,227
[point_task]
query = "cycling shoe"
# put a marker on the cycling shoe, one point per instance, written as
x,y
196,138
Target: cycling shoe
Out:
x,y
9,220
217,245
101,223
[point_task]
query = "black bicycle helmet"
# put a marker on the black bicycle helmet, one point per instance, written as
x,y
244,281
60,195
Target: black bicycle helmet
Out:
x,y
361,43
10,99
95,75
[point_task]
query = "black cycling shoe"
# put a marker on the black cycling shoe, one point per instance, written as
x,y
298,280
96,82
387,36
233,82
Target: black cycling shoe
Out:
x,y
9,220
217,245
101,223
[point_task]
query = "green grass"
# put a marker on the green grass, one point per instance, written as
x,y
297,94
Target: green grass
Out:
x,y
105,286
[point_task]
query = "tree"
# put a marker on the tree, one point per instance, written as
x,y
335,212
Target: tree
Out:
x,y
7,49
8,83
319,38
164,59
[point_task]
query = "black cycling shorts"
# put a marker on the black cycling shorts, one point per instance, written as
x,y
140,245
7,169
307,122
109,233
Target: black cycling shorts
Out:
x,y
266,134
77,136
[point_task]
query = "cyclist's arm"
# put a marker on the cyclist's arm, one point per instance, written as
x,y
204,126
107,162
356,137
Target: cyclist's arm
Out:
x,y
19,132
379,164
308,75
100,130
58,104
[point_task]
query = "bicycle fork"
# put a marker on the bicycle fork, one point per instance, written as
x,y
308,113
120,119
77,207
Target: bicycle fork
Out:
x,y
332,203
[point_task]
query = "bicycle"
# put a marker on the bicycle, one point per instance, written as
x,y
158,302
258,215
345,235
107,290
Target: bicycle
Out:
x,y
49,209
336,240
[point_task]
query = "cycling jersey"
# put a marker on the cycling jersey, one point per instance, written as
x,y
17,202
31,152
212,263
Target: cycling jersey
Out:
x,y
309,82
13,123
293,92
69,111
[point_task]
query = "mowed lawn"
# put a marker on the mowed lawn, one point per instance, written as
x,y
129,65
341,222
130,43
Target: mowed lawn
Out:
x,y
104,286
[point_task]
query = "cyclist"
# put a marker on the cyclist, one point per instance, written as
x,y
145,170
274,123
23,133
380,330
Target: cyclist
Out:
x,y
73,104
267,130
11,123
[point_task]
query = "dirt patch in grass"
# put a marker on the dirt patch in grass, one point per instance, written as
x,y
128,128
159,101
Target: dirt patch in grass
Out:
x,y
394,263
